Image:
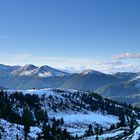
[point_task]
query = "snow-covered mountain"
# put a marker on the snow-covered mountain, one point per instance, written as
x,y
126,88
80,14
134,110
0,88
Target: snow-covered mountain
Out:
x,y
85,114
43,71
6,70
31,70
122,86
30,76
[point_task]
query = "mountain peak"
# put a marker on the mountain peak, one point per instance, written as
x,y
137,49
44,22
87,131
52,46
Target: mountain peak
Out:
x,y
53,71
43,71
46,68
29,67
91,72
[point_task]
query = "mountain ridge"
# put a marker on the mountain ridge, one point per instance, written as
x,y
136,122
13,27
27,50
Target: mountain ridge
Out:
x,y
121,86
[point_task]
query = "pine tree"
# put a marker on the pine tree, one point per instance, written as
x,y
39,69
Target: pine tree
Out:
x,y
27,121
62,121
17,138
39,137
112,127
0,135
122,121
90,130
97,138
45,131
97,129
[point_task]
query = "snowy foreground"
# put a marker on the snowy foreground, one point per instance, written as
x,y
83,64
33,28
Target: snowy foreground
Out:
x,y
76,121
12,130
135,135
107,135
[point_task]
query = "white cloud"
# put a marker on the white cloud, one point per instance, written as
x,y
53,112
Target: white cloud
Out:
x,y
126,56
117,66
70,64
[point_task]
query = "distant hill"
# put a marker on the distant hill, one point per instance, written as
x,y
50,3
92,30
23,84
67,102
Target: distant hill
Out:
x,y
125,76
30,76
122,86
128,91
89,80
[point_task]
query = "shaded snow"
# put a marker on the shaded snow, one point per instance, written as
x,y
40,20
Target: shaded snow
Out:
x,y
135,135
43,71
41,92
10,131
107,135
77,123
91,117
136,78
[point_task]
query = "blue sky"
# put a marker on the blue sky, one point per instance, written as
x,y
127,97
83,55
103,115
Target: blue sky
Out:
x,y
70,33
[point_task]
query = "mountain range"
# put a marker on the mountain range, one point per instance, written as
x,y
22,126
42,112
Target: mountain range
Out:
x,y
122,86
30,76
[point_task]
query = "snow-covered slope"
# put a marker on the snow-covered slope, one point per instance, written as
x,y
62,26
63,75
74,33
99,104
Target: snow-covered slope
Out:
x,y
6,68
108,135
61,104
43,71
77,108
30,76
77,122
12,131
